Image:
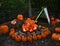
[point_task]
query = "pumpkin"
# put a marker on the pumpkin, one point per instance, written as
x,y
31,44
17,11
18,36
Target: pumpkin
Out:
x,y
17,38
56,37
39,36
57,29
46,33
12,31
3,29
13,36
20,17
29,38
43,35
24,39
57,20
35,37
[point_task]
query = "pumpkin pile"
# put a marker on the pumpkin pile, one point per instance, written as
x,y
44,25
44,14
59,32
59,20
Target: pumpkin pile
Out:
x,y
25,29
28,31
55,36
32,36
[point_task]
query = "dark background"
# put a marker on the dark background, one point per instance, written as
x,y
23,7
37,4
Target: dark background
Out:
x,y
9,9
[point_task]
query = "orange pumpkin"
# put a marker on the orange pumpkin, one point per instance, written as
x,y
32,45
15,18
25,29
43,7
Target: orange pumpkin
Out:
x,y
35,37
47,33
24,39
4,29
57,29
12,31
38,36
18,38
43,35
29,38
56,37
20,17
57,20
13,36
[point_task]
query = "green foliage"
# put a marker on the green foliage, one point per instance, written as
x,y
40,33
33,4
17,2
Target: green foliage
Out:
x,y
13,4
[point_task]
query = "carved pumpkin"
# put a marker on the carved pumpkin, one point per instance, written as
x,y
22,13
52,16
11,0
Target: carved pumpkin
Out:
x,y
18,38
35,37
29,38
38,36
24,39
